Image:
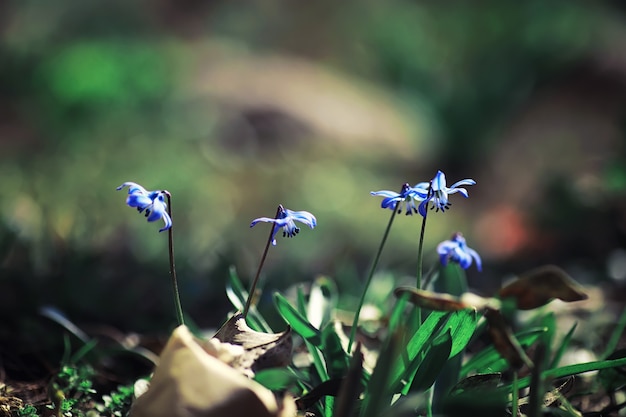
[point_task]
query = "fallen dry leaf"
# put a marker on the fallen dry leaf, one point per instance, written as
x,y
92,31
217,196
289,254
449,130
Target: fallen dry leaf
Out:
x,y
540,286
189,382
431,300
260,350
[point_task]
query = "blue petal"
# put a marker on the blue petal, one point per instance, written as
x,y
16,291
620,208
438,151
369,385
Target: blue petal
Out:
x,y
138,200
445,247
385,193
168,222
476,257
158,210
262,219
390,202
304,217
133,187
423,207
463,191
467,181
422,186
439,182
275,230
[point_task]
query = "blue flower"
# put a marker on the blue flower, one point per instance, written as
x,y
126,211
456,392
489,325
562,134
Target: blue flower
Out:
x,y
408,195
285,219
456,250
150,202
438,192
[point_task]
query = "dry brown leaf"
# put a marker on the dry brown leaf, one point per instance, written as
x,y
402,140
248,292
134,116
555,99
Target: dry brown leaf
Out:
x,y
189,382
445,302
540,286
432,300
261,350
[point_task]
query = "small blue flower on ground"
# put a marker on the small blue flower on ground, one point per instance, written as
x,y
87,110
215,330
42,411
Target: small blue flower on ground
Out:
x,y
438,192
456,250
408,195
285,220
150,202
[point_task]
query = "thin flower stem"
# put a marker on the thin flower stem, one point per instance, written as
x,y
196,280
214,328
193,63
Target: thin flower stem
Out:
x,y
420,253
420,258
515,399
177,304
258,271
369,277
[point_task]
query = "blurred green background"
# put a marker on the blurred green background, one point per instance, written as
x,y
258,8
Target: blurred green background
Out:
x,y
235,107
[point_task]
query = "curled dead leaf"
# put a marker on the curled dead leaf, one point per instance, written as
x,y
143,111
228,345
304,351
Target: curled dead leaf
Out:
x,y
190,382
539,286
260,350
444,302
431,300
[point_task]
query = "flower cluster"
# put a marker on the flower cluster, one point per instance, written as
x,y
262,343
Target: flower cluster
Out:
x,y
434,193
151,203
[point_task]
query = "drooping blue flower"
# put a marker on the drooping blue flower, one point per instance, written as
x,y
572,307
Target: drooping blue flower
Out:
x,y
456,250
438,192
409,195
151,203
285,220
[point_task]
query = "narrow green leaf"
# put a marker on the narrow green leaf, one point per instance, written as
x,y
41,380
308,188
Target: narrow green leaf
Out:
x,y
278,379
548,321
430,367
297,321
406,363
237,295
337,360
377,394
235,290
488,358
563,347
461,324
301,303
572,370
617,334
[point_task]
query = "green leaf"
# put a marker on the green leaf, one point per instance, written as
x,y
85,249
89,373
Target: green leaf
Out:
x,y
613,379
278,379
337,360
301,303
569,370
563,346
489,360
409,359
451,279
461,324
297,321
238,296
436,357
615,337
377,394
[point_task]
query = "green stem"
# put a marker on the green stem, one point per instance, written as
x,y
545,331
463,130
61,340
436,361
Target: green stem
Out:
x,y
420,258
177,304
258,271
369,278
420,253
514,393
